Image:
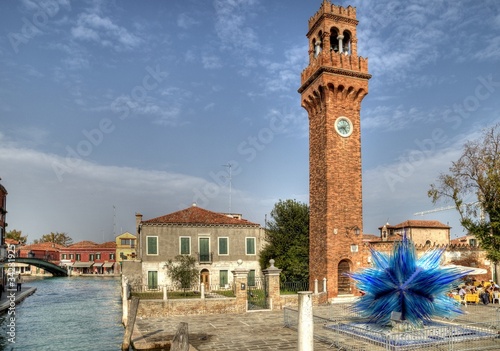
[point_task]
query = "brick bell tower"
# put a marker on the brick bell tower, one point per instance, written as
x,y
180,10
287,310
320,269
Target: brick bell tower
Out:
x,y
332,88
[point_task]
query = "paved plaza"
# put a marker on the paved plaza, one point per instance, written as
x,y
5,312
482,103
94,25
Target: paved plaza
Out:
x,y
260,330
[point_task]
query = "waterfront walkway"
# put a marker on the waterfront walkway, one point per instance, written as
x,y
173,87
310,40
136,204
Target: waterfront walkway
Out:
x,y
6,300
248,331
236,332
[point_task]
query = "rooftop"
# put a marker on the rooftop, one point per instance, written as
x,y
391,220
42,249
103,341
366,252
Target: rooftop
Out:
x,y
198,216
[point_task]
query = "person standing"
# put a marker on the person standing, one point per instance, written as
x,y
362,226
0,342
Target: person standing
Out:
x,y
19,281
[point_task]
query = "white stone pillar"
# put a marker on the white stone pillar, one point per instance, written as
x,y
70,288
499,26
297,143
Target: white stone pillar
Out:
x,y
165,296
324,284
316,286
202,290
305,325
124,301
341,46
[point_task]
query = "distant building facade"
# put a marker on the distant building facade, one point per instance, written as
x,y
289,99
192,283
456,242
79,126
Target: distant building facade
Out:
x,y
431,234
88,257
45,251
421,232
219,243
126,244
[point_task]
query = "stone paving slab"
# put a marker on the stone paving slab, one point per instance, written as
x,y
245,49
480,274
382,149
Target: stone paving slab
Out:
x,y
258,330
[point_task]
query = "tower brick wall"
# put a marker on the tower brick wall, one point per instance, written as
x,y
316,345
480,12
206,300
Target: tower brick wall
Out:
x,y
333,86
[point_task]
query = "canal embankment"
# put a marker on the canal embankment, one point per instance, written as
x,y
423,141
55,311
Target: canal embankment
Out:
x,y
10,298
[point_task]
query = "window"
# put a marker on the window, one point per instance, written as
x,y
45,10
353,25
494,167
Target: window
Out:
x,y
251,277
91,257
78,257
223,278
63,256
111,256
153,280
472,242
152,245
128,242
71,256
97,256
204,246
223,246
185,245
250,246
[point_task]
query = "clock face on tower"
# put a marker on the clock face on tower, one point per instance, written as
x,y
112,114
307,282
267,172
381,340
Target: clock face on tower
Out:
x,y
343,126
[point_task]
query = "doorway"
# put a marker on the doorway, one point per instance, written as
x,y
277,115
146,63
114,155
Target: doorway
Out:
x,y
205,279
344,282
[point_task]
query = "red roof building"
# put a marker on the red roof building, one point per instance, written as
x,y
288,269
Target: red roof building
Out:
x,y
88,257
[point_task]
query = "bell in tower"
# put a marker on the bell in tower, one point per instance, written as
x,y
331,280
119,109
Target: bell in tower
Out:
x,y
332,88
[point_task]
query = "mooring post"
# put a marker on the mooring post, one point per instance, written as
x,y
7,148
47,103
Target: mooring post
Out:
x,y
202,291
324,284
316,286
134,304
165,296
305,325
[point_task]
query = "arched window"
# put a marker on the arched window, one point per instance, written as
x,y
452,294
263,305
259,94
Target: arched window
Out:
x,y
346,42
334,41
318,45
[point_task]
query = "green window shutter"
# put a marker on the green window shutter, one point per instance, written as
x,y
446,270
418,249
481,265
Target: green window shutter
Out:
x,y
185,247
223,246
223,280
152,280
250,246
152,245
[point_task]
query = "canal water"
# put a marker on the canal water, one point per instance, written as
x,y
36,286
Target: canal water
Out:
x,y
67,314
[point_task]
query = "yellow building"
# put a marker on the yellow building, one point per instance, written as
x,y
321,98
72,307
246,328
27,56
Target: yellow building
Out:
x,y
125,247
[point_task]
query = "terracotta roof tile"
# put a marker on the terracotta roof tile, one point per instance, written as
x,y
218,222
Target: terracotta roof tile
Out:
x,y
42,246
84,243
109,244
419,224
196,215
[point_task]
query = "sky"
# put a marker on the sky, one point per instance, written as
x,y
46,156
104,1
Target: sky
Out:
x,y
112,108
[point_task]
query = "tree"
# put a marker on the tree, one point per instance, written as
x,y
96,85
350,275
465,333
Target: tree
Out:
x,y
182,271
476,174
287,237
17,235
57,238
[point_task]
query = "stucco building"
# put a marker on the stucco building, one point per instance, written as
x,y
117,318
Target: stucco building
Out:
x,y
219,243
126,244
88,257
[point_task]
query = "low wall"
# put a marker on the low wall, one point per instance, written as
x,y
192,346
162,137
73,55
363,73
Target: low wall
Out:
x,y
293,301
181,307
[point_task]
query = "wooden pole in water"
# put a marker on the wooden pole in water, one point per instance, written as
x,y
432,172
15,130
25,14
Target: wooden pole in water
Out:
x,y
134,304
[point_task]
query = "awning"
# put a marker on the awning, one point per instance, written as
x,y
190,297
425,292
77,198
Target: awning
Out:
x,y
108,264
98,264
82,264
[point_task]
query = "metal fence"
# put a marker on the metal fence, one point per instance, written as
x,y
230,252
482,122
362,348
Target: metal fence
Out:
x,y
293,287
156,292
338,326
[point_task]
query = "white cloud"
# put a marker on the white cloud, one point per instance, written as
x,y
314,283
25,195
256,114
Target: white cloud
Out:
x,y
231,27
82,193
185,21
102,30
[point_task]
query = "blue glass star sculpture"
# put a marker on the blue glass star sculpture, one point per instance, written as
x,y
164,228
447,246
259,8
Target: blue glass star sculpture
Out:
x,y
401,282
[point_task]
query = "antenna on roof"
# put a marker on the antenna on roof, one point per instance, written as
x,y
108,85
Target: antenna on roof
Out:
x,y
229,165
114,221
